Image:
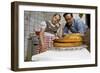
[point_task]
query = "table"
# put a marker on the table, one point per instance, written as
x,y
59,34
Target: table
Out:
x,y
64,55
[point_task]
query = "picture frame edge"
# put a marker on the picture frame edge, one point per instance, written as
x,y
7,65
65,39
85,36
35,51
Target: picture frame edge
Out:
x,y
14,37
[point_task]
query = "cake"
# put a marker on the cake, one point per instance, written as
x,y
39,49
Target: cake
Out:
x,y
69,40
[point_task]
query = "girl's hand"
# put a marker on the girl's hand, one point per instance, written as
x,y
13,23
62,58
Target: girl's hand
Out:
x,y
42,48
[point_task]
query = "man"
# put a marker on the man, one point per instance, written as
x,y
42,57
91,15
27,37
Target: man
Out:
x,y
74,25
49,31
77,26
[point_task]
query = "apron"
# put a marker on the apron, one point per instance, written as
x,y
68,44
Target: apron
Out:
x,y
49,34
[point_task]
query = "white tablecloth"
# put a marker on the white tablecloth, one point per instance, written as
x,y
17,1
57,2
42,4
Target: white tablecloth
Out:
x,y
64,55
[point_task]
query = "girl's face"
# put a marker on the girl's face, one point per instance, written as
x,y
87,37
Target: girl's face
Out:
x,y
56,19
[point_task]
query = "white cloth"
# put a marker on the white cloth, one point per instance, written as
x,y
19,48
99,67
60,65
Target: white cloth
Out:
x,y
54,55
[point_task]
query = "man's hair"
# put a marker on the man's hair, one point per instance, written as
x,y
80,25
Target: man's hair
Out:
x,y
57,14
67,14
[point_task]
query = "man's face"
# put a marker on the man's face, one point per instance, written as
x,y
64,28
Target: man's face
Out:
x,y
69,19
56,19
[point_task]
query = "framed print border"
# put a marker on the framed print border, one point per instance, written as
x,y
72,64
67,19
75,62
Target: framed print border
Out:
x,y
15,35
